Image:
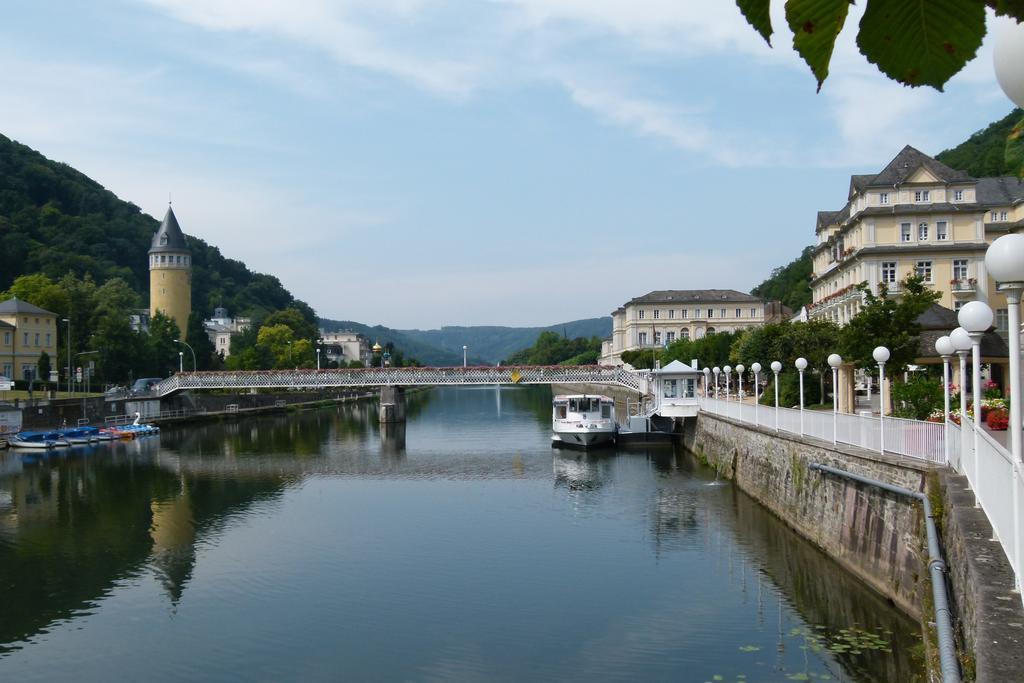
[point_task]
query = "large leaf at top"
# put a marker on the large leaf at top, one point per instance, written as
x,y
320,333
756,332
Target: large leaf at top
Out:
x,y
815,25
756,12
1011,8
921,42
1015,149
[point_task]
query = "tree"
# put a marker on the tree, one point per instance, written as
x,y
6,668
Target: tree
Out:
x,y
200,342
43,365
790,284
886,321
39,290
277,339
294,319
161,351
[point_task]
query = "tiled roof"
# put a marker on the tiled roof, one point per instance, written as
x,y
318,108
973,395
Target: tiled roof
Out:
x,y
1000,191
16,305
168,236
674,296
907,162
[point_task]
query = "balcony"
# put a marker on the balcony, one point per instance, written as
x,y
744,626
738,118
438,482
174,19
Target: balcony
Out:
x,y
966,286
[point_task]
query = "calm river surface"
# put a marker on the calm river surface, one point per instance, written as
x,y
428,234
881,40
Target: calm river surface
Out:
x,y
310,546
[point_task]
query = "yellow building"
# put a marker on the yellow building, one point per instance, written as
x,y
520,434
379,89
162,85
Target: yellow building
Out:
x,y
25,332
917,216
170,273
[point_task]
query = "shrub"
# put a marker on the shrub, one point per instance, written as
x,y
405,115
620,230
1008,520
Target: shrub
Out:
x,y
917,398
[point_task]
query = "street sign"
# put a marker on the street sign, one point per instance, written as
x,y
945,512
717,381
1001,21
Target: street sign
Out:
x,y
53,375
78,374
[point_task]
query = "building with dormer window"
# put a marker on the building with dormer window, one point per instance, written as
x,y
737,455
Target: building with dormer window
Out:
x,y
916,216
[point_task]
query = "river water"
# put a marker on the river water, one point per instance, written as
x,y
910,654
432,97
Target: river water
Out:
x,y
312,546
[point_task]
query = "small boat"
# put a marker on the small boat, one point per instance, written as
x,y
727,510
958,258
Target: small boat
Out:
x,y
80,435
582,420
138,428
37,440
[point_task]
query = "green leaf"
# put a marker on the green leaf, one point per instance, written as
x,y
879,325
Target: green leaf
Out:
x,y
815,25
1015,149
757,15
1010,8
919,42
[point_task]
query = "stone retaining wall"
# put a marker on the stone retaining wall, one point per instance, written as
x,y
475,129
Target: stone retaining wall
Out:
x,y
876,535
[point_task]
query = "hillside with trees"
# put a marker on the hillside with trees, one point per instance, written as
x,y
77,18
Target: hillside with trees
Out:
x,y
552,348
790,284
983,155
56,221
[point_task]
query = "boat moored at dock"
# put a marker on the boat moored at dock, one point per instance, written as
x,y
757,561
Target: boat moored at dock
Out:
x,y
582,421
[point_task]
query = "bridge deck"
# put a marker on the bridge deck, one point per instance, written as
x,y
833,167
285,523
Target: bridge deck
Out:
x,y
407,377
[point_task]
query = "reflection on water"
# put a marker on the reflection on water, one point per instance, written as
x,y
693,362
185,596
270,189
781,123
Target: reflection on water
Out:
x,y
322,545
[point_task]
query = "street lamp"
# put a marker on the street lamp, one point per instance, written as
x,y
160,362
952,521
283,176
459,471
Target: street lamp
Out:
x,y
464,357
776,368
944,347
881,356
716,370
707,381
728,374
801,365
318,358
835,360
756,368
1005,262
185,344
68,321
976,318
739,391
962,343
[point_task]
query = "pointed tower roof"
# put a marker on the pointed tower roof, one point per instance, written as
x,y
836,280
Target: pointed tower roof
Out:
x,y
169,236
908,161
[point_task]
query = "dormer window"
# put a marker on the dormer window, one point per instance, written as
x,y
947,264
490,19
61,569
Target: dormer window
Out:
x,y
883,197
922,196
163,240
958,195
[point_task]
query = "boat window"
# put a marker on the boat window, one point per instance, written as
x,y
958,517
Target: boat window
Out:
x,y
669,387
690,389
606,410
560,411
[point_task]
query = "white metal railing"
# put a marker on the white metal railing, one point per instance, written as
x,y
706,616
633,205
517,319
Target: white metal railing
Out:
x,y
362,377
121,420
912,438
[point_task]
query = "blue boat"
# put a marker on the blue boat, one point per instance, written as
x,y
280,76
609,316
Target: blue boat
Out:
x,y
80,435
38,440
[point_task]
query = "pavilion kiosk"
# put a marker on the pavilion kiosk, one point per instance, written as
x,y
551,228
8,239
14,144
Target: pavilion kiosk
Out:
x,y
674,398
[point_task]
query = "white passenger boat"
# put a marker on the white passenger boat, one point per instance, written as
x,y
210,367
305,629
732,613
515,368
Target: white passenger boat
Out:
x,y
582,420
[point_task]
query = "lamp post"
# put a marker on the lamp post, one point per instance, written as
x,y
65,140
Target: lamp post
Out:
x,y
976,318
739,390
962,343
1005,262
776,368
835,360
194,365
707,382
944,347
465,349
181,361
716,370
68,334
801,365
756,368
881,356
318,358
728,374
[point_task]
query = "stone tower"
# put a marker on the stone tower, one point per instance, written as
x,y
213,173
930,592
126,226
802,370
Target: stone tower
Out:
x,y
170,273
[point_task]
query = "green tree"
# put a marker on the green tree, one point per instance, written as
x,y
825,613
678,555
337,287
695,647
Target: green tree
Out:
x,y
277,339
43,365
161,351
917,398
294,319
790,284
200,342
888,321
39,290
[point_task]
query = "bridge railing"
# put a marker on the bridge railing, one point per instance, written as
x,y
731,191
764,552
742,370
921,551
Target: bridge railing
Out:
x,y
362,377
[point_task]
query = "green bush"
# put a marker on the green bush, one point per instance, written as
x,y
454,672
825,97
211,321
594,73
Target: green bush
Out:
x,y
917,398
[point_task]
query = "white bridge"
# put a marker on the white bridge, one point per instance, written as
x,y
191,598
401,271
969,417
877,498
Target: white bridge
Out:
x,y
404,377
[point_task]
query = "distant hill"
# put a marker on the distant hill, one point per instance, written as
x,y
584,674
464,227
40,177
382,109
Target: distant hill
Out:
x,y
55,220
487,344
983,155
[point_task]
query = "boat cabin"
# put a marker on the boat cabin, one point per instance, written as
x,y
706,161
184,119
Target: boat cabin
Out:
x,y
675,390
578,407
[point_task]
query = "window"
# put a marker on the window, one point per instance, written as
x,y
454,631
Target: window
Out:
x,y
686,313
753,312
640,314
924,270
721,312
1002,215
711,330
671,313
657,338
960,269
888,272
642,339
48,338
26,339
883,197
669,388
958,195
657,314
905,232
922,196
684,333
941,230
739,312
957,305
37,339
7,342
1002,321
690,389
8,371
711,313
670,337
922,232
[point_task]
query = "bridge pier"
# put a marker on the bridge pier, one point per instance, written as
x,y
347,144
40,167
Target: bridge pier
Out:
x,y
392,404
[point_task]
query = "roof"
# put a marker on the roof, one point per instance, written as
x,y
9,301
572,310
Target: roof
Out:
x,y
672,296
999,191
168,236
859,182
5,326
907,162
16,305
677,367
939,321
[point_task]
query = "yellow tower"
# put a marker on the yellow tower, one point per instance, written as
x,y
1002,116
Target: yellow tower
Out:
x,y
170,273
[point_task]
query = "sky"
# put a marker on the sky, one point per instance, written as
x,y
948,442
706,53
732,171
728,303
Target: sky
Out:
x,y
420,163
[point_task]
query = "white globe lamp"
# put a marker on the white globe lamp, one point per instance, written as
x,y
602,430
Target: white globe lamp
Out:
x,y
1005,258
960,339
1008,59
944,347
975,316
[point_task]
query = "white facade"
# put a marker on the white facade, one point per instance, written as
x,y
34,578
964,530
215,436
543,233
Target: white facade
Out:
x,y
220,328
345,347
